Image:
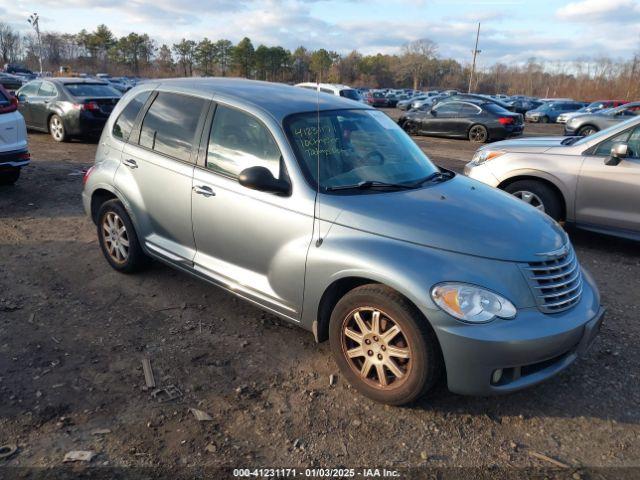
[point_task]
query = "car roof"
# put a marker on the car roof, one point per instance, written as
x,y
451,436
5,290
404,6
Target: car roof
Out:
x,y
67,80
277,99
325,85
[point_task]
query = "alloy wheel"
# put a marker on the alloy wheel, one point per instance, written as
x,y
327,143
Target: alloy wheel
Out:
x,y
116,239
478,134
57,128
585,132
375,347
530,198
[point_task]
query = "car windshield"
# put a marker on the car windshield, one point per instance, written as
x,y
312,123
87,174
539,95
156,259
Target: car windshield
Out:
x,y
346,147
350,93
91,90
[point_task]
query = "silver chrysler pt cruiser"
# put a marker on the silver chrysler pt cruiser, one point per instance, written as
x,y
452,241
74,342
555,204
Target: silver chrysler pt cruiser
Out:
x,y
324,212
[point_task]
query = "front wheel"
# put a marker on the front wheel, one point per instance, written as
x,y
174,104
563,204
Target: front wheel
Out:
x,y
538,195
587,130
57,130
478,134
383,345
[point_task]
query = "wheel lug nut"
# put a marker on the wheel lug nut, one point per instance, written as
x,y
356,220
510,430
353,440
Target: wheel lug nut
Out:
x,y
367,341
379,356
383,348
375,339
370,353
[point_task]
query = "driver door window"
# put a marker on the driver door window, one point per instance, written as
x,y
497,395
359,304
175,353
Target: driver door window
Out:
x,y
604,148
239,141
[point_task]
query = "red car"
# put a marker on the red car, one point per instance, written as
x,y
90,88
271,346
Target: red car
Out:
x,y
377,99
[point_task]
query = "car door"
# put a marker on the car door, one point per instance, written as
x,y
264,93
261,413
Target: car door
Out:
x,y
25,97
609,195
253,243
47,93
156,171
443,119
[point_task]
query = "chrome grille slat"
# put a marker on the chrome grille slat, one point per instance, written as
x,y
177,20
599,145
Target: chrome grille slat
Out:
x,y
555,275
568,262
575,272
556,282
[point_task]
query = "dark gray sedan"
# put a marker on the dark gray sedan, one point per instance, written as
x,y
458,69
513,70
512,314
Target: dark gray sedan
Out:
x,y
590,123
67,107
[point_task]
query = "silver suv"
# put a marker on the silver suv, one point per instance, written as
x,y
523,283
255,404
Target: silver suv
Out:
x,y
325,213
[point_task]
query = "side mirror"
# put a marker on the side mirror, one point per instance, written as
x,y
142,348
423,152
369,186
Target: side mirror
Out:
x,y
261,179
21,97
433,113
618,152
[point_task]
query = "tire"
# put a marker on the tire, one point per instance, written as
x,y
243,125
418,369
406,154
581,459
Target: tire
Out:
x,y
10,177
410,127
544,119
478,134
418,373
57,130
587,130
541,193
122,250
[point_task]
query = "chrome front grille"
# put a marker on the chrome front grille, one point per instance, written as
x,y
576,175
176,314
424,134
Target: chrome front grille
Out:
x,y
556,282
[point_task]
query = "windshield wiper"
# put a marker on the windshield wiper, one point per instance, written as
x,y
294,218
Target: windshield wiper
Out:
x,y
369,184
435,176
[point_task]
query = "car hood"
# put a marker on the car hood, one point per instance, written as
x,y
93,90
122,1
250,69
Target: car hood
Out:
x,y
527,144
459,215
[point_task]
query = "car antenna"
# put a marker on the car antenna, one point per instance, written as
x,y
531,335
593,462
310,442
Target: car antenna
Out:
x,y
319,240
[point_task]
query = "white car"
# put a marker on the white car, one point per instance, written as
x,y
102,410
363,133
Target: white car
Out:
x,y
14,152
334,89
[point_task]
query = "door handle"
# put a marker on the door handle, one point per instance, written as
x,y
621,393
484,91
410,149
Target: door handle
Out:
x,y
204,190
129,162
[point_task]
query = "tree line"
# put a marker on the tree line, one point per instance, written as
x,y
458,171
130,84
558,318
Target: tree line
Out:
x,y
418,65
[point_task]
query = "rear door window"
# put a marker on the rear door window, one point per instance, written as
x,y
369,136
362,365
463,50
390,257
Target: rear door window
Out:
x,y
47,89
448,109
238,141
170,125
124,124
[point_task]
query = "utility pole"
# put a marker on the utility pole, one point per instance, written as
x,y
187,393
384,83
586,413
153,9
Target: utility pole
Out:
x,y
34,21
473,65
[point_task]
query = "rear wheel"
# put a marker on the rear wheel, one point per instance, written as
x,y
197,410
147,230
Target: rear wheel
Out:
x,y
9,177
57,130
383,345
587,130
538,195
118,239
478,134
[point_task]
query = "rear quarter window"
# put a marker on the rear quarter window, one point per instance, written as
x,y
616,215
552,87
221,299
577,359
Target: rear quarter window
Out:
x,y
124,124
170,125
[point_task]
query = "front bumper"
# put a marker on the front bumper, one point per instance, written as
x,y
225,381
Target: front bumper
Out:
x,y
569,131
528,350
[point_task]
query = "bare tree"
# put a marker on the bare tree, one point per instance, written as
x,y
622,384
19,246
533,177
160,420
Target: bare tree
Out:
x,y
416,58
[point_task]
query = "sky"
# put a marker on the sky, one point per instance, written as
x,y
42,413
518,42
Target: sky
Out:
x,y
512,31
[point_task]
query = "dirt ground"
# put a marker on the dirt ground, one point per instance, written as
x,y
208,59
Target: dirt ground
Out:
x,y
73,333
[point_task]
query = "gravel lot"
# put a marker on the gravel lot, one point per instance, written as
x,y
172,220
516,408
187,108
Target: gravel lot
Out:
x,y
73,333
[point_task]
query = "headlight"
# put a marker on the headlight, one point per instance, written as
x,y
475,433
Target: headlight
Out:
x,y
485,155
470,303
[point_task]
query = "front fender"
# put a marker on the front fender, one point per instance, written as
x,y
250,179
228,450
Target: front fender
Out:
x,y
410,269
565,182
